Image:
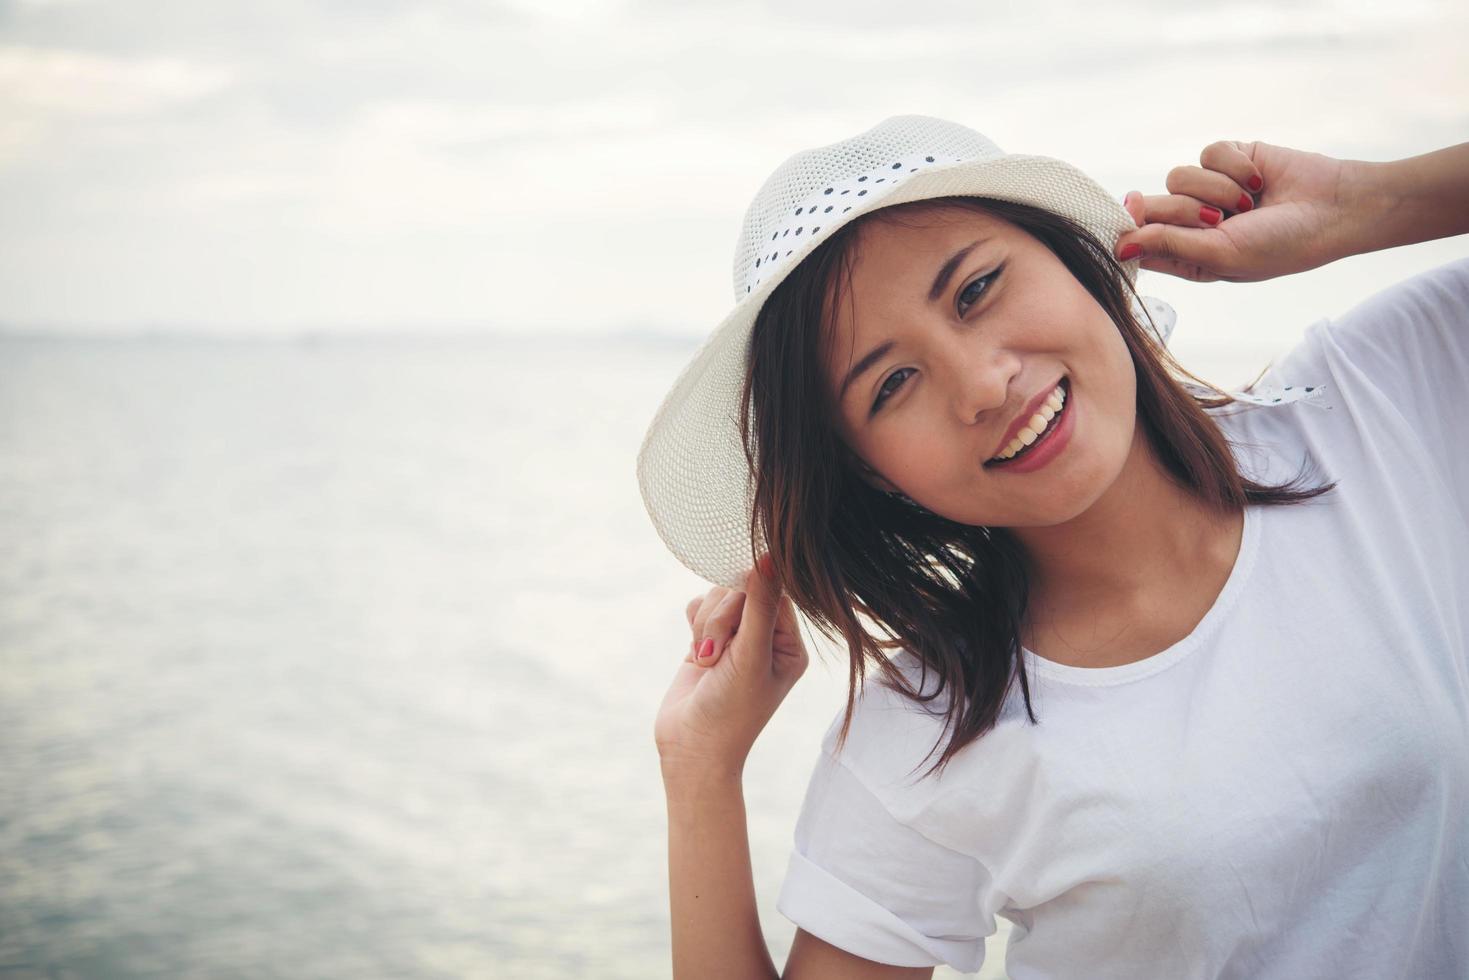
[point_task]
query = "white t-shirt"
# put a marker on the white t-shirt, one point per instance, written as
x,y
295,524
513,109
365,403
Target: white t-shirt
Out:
x,y
1282,794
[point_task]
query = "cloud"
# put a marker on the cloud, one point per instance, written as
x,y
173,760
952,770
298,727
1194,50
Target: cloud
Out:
x,y
425,123
45,81
43,90
366,159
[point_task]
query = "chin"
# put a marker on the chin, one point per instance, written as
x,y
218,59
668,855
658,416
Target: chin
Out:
x,y
1072,494
1058,507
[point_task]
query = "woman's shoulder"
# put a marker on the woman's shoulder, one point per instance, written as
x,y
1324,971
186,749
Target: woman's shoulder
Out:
x,y
1441,287
1392,331
896,739
883,706
1384,373
891,732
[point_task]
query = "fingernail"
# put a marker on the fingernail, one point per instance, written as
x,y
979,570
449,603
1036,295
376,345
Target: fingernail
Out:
x,y
1255,183
1131,251
1210,216
1245,203
706,649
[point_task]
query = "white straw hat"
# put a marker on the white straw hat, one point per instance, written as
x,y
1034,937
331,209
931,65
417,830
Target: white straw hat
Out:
x,y
691,467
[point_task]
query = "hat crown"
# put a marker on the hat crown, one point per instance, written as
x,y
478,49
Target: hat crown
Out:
x,y
816,190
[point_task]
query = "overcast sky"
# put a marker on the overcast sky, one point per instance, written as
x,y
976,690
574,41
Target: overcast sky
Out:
x,y
265,167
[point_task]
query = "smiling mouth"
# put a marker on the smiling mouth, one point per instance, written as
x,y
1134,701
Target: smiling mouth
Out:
x,y
1052,425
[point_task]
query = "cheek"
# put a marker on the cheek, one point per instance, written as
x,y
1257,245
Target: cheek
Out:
x,y
1108,377
1113,351
914,455
1107,428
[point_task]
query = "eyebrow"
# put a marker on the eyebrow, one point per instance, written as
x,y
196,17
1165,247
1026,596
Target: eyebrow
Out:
x,y
946,271
940,283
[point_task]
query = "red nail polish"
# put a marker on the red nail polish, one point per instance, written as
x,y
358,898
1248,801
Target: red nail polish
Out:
x,y
1245,204
1255,183
1131,251
1210,216
706,649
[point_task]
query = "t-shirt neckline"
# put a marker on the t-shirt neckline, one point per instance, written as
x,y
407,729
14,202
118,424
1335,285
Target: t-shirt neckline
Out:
x,y
1244,561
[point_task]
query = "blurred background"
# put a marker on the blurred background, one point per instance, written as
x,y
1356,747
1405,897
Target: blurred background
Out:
x,y
332,628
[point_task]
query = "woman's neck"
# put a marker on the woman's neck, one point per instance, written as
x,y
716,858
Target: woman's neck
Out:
x,y
1144,537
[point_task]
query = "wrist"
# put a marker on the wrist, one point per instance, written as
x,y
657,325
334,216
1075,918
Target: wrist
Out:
x,y
1403,202
688,778
1365,201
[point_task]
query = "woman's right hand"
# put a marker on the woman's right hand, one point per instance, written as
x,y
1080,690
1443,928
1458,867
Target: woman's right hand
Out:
x,y
1209,227
718,704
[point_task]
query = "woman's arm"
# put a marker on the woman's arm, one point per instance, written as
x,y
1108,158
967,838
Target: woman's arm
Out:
x,y
1404,202
745,656
711,891
716,929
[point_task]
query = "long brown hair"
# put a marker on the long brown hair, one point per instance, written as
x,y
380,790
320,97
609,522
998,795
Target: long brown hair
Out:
x,y
952,594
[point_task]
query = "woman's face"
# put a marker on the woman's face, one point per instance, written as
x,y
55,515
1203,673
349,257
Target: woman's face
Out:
x,y
969,353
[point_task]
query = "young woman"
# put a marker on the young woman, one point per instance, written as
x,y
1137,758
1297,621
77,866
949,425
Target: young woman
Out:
x,y
1195,665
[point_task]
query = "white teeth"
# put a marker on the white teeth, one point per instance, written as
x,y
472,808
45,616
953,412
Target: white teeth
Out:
x,y
1037,423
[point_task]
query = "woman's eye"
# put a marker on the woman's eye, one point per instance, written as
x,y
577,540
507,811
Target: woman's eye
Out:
x,y
885,391
888,388
981,281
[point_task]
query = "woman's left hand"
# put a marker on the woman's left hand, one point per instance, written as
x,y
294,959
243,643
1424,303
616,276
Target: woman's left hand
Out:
x,y
1251,211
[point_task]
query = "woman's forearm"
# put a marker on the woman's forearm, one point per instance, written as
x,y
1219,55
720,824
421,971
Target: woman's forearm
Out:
x,y
1403,202
716,929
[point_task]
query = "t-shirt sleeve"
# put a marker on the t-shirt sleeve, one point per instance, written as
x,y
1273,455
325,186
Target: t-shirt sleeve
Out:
x,y
1404,352
871,885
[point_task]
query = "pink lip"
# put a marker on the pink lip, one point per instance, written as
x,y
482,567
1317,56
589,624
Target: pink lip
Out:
x,y
1026,414
1050,445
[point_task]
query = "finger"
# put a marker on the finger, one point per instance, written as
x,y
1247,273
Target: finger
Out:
x,y
1181,209
790,667
785,615
719,627
1183,270
1210,187
1236,160
790,651
692,608
1204,248
707,605
786,636
762,594
1133,203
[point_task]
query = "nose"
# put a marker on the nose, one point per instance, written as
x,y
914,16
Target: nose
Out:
x,y
982,380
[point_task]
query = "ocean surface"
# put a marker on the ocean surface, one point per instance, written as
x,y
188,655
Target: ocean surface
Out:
x,y
340,658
